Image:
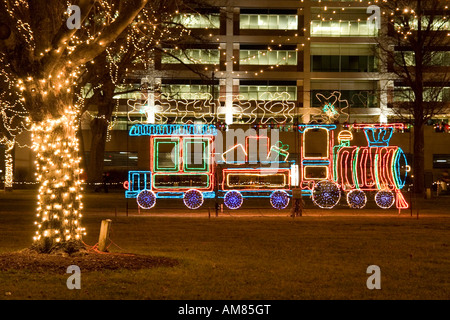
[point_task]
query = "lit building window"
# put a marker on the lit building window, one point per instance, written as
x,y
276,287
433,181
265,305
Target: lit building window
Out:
x,y
434,94
348,23
342,29
132,91
441,161
440,58
436,58
353,98
189,91
438,23
269,21
118,158
121,122
268,57
198,21
191,56
268,92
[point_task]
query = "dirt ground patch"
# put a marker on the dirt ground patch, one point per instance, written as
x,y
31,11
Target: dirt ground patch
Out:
x,y
92,261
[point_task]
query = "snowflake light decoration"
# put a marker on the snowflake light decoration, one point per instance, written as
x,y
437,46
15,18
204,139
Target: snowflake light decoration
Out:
x,y
331,111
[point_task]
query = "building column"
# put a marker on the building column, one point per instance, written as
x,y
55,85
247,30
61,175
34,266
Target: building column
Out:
x,y
385,87
229,49
306,47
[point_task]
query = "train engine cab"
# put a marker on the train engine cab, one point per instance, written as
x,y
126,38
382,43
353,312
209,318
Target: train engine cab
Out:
x,y
316,164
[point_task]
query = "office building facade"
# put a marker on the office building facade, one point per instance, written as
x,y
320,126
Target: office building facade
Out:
x,y
304,55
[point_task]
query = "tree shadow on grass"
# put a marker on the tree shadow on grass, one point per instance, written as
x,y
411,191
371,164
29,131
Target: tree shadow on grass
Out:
x,y
35,262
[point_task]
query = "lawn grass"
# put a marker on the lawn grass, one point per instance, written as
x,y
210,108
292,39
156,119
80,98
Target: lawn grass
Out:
x,y
250,257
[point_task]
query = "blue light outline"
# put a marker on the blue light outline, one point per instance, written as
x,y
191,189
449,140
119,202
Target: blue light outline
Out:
x,y
265,193
172,129
399,183
375,140
303,127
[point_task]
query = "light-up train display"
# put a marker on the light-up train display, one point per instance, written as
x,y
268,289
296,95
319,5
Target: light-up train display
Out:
x,y
376,170
185,165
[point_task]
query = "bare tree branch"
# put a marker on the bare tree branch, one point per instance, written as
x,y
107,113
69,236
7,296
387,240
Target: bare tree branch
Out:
x,y
86,52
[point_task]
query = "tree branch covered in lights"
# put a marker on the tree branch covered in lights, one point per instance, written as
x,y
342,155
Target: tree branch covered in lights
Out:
x,y
43,60
411,48
110,75
13,118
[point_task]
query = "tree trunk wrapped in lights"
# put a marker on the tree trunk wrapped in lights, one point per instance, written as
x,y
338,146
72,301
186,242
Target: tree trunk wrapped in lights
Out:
x,y
9,172
58,173
42,61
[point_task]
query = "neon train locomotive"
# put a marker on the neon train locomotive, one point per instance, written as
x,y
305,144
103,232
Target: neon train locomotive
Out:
x,y
184,165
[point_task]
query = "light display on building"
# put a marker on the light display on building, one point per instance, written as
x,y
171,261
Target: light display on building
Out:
x,y
270,107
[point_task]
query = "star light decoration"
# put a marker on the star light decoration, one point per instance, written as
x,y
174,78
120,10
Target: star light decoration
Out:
x,y
331,110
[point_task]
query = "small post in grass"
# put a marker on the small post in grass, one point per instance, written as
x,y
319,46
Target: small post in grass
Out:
x,y
297,203
104,234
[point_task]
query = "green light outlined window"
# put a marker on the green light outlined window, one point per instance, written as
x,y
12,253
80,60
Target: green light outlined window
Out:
x,y
166,154
196,154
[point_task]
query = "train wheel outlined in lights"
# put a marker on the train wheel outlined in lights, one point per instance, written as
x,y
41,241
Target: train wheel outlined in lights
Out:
x,y
193,199
233,199
279,199
356,199
146,199
326,194
384,199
